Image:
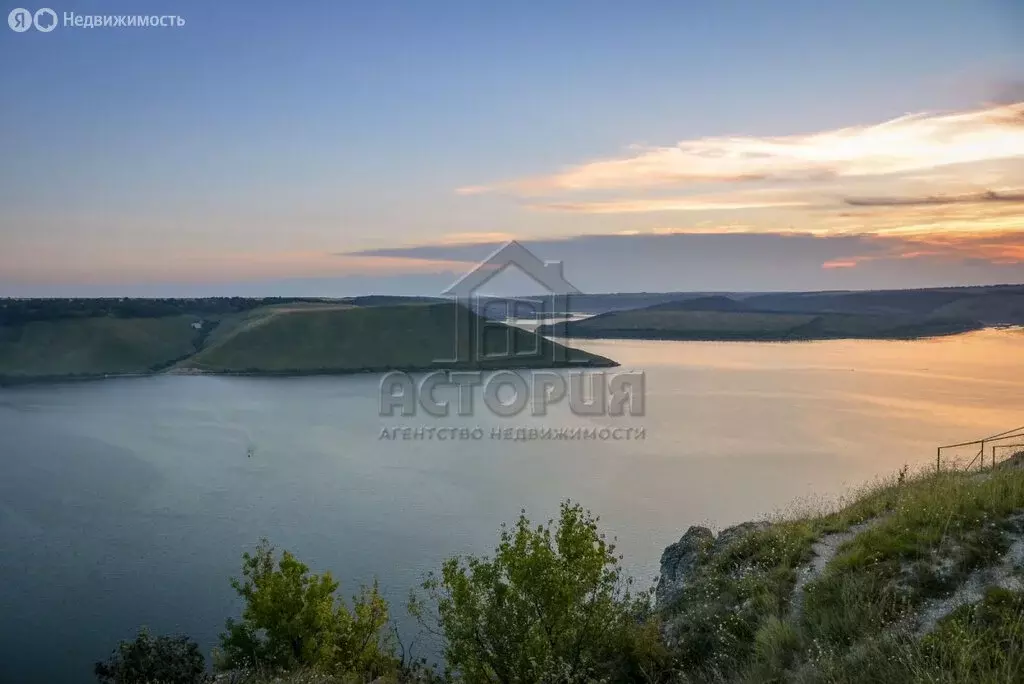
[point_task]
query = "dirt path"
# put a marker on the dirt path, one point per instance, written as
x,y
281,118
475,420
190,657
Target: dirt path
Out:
x,y
824,550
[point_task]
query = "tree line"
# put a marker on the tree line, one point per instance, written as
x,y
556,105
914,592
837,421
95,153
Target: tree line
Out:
x,y
19,311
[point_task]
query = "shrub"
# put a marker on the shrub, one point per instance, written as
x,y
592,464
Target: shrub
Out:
x,y
156,660
292,618
552,605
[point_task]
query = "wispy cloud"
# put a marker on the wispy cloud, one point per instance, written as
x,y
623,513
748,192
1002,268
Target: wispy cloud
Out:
x,y
923,217
995,247
849,262
723,202
927,188
1015,197
713,257
473,238
908,144
1002,248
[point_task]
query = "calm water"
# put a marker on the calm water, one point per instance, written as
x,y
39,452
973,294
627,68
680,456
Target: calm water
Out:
x,y
129,502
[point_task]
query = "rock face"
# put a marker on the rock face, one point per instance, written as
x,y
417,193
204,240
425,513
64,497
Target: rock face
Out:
x,y
736,532
678,562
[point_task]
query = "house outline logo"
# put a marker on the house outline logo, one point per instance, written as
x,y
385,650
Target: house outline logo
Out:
x,y
547,274
465,293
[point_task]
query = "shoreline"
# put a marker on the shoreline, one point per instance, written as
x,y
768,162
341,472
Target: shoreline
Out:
x,y
14,381
562,331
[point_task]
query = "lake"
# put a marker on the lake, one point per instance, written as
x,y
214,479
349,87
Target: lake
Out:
x,y
129,502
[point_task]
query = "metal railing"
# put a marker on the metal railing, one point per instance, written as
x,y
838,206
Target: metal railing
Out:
x,y
997,443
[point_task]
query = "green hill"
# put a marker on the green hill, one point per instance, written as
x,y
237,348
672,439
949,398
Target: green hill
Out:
x,y
348,339
94,346
680,322
995,309
280,338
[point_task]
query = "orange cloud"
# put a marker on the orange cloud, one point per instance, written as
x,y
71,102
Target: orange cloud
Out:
x,y
725,202
1005,247
842,263
917,218
908,144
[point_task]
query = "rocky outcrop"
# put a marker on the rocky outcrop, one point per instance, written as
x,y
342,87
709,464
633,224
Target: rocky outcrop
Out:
x,y
737,532
679,561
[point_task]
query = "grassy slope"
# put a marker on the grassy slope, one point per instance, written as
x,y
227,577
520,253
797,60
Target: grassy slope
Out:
x,y
683,324
897,314
94,346
735,623
285,338
997,308
319,339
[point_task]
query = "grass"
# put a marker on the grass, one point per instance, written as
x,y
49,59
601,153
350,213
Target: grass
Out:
x,y
981,644
735,622
349,339
94,346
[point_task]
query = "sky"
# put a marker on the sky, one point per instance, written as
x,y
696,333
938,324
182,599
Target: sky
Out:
x,y
337,148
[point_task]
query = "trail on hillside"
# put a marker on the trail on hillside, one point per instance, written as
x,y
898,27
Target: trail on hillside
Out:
x,y
824,550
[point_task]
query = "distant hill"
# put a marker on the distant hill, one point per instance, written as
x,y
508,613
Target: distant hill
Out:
x,y
710,303
892,314
666,323
997,305
990,305
997,308
286,337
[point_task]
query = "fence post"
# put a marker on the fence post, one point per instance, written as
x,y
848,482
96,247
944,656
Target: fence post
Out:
x,y
938,459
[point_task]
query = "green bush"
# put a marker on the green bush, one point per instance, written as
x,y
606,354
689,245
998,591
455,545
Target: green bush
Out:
x,y
552,605
292,618
156,660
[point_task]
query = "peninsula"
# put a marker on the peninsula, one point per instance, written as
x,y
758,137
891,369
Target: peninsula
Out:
x,y
83,339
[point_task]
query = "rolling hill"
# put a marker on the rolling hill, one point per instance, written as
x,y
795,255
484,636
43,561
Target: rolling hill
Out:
x,y
378,338
95,346
291,337
734,321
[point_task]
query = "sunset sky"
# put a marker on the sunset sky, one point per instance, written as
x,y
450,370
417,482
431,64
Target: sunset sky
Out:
x,y
346,148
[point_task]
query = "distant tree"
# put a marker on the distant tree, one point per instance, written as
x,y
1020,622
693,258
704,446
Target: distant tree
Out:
x,y
553,605
21,311
163,659
292,618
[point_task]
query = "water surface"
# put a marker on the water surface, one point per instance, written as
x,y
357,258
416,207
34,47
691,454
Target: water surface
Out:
x,y
129,502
